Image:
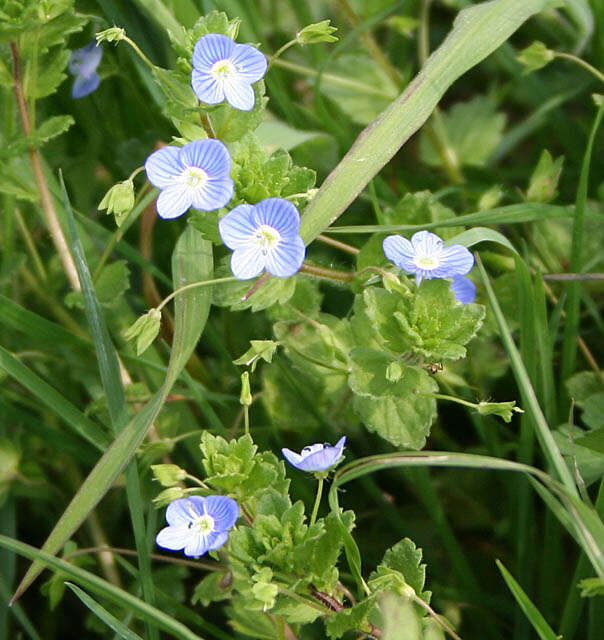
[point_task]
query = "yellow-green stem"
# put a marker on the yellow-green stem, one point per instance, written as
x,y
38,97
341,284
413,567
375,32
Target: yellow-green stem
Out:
x,y
194,285
315,509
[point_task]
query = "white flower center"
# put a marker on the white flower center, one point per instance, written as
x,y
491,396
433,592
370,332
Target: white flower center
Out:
x,y
204,524
266,238
222,69
426,262
194,177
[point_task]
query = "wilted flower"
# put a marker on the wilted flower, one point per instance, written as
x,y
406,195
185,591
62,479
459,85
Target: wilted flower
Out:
x,y
196,175
83,64
464,289
316,457
198,524
263,236
223,69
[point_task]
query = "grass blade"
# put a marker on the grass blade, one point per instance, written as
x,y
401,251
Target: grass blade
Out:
x,y
102,588
192,262
477,32
532,613
109,368
110,620
49,396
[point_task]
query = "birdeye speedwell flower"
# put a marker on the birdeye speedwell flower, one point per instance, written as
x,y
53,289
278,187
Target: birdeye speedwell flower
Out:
x,y
263,236
196,175
464,289
198,524
316,457
426,256
83,64
225,70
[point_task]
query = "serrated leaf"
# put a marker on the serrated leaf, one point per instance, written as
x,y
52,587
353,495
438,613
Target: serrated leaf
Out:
x,y
406,558
402,411
474,129
545,178
16,179
232,124
48,73
145,330
350,618
214,587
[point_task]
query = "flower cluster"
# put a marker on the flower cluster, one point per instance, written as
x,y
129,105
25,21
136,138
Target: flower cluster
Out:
x,y
426,256
83,64
262,236
198,524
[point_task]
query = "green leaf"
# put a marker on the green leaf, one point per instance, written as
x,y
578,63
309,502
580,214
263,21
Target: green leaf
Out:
x,y
591,587
477,32
543,183
110,286
535,57
110,620
473,130
350,618
504,410
119,200
47,75
406,558
214,587
259,350
401,619
232,124
274,134
539,623
402,411
480,234
16,179
583,385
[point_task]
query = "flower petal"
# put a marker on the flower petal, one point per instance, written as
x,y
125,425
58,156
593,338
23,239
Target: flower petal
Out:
x,y
210,155
213,195
84,61
455,260
173,201
83,85
292,457
173,538
238,226
247,262
197,545
426,243
224,511
210,49
164,166
286,258
239,93
206,87
400,251
216,540
182,511
464,289
251,64
280,214
323,459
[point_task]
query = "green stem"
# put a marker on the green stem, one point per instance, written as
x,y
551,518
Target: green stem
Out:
x,y
31,246
328,274
141,55
282,49
194,285
315,509
338,245
579,61
246,419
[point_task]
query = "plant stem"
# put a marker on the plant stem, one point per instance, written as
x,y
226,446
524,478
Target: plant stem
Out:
x,y
328,274
282,49
246,419
579,61
315,509
193,285
46,201
339,245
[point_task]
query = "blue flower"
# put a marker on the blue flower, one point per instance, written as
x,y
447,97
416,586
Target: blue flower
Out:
x,y
198,524
223,69
426,256
464,289
263,236
317,457
82,64
196,175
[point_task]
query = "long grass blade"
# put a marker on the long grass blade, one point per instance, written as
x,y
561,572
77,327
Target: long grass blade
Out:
x,y
539,623
102,588
109,619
